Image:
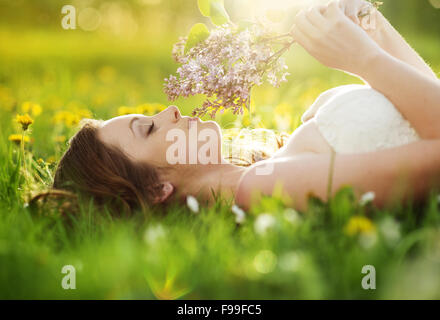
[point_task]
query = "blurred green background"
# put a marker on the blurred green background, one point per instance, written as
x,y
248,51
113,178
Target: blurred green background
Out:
x,y
115,61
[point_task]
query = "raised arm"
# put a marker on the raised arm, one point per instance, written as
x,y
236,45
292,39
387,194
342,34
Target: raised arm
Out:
x,y
407,171
332,38
389,39
384,34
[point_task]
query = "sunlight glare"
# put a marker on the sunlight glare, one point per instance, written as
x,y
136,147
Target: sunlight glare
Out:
x,y
288,4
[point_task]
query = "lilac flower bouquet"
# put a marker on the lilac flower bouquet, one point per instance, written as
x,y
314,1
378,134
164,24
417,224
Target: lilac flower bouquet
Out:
x,y
227,62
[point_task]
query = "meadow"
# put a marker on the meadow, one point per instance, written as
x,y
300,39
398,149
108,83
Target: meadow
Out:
x,y
59,77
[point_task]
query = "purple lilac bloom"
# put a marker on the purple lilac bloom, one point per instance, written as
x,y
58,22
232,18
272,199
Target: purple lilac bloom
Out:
x,y
225,67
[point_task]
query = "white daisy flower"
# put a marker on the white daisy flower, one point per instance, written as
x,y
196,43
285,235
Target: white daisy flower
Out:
x,y
263,223
292,216
367,198
154,233
390,230
240,215
192,204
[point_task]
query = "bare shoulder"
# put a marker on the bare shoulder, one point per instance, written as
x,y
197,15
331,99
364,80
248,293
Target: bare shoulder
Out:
x,y
262,178
411,170
250,183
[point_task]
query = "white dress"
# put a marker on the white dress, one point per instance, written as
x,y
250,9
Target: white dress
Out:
x,y
357,119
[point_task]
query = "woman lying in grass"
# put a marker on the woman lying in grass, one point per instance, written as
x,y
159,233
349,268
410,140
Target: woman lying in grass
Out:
x,y
383,137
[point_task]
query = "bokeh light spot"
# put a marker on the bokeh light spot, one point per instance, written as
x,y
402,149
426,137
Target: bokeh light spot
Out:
x,y
435,3
265,261
89,19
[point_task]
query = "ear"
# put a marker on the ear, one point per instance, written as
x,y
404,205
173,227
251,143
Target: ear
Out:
x,y
167,191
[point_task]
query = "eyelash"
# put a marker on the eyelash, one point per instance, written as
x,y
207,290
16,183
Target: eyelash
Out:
x,y
151,129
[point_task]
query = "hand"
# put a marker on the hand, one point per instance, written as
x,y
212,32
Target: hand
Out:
x,y
333,39
355,9
364,15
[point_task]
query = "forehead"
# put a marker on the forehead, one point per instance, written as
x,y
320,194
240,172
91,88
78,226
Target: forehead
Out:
x,y
116,131
121,120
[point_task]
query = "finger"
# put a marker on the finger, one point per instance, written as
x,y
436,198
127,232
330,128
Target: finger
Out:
x,y
353,14
316,18
301,38
321,8
333,9
303,23
366,9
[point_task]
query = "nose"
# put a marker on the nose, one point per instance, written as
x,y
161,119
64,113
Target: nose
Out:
x,y
174,112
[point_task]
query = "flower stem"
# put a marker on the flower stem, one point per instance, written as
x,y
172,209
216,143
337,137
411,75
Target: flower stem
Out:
x,y
22,150
330,175
280,52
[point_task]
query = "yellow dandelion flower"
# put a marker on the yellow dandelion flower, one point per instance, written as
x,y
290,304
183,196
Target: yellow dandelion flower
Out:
x,y
359,225
24,120
30,107
83,113
60,139
40,161
16,138
65,117
124,110
158,107
71,118
50,160
146,108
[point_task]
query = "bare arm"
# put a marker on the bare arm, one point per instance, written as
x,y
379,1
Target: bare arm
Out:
x,y
384,34
408,171
390,40
405,88
337,42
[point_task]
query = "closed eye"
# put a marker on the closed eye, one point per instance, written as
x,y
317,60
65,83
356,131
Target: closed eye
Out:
x,y
151,128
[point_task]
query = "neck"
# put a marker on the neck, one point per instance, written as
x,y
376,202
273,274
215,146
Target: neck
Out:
x,y
205,181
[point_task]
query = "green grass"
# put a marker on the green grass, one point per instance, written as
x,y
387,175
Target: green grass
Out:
x,y
182,254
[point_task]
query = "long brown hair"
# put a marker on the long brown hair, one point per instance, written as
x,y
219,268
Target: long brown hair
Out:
x,y
93,169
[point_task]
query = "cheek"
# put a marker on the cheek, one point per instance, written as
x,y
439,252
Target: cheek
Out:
x,y
146,150
156,151
131,148
184,145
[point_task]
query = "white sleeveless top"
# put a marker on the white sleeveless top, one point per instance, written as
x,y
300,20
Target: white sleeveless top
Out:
x,y
360,119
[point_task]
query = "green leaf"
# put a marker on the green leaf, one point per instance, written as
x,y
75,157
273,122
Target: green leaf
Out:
x,y
198,33
204,7
214,9
218,13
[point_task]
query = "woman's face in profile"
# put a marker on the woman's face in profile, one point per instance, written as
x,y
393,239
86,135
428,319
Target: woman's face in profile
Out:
x,y
164,138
